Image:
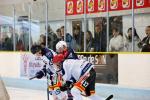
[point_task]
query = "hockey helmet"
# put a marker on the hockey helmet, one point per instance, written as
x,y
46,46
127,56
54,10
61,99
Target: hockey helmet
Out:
x,y
60,45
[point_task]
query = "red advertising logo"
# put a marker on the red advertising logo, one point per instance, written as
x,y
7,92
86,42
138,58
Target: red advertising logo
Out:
x,y
113,4
101,5
125,3
90,5
70,7
80,6
139,3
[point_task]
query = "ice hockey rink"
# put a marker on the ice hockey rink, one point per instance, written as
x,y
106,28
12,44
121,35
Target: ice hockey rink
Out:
x,y
133,84
28,94
24,89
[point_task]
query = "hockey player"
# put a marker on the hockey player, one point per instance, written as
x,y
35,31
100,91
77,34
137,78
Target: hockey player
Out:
x,y
62,48
78,75
54,78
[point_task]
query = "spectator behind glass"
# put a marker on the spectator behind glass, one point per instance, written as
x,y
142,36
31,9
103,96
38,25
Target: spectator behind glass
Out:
x,y
145,43
20,46
24,37
69,38
58,33
128,42
78,37
89,42
42,39
99,39
52,39
116,42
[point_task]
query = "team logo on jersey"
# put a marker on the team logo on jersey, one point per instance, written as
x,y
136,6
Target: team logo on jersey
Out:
x,y
101,4
70,55
113,4
139,2
125,3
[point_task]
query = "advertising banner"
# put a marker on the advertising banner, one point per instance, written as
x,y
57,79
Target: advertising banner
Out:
x,y
79,7
101,5
90,5
30,64
69,7
75,7
106,66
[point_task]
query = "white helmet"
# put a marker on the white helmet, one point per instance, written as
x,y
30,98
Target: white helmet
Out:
x,y
60,45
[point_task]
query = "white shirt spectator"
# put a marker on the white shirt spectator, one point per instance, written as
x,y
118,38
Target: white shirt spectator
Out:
x,y
116,44
128,45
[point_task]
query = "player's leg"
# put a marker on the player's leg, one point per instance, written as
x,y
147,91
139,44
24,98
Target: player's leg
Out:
x,y
90,89
76,94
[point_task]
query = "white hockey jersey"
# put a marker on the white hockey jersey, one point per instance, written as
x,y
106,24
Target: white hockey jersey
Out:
x,y
75,68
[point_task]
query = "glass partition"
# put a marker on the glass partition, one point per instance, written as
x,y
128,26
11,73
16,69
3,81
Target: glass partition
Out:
x,y
6,28
22,26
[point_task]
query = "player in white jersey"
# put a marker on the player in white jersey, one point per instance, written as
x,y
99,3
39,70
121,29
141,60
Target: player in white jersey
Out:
x,y
54,79
79,74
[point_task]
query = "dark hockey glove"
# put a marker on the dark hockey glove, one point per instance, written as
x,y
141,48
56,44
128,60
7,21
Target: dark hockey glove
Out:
x,y
67,86
41,73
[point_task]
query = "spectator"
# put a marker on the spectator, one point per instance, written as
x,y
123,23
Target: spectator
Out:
x,y
58,33
52,39
145,43
128,42
78,37
14,37
89,42
20,46
24,37
8,44
116,42
99,39
42,39
69,39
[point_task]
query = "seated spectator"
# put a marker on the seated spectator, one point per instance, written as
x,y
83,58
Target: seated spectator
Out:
x,y
145,43
116,42
128,42
89,42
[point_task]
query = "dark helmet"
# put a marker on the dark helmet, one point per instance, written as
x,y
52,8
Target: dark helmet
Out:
x,y
35,49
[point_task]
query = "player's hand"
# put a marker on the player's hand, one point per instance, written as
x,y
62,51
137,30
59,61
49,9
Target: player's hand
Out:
x,y
66,86
41,73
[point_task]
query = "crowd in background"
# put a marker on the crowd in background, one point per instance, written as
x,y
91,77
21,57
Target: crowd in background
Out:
x,y
95,42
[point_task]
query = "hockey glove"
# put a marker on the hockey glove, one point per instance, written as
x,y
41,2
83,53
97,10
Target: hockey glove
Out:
x,y
68,85
41,73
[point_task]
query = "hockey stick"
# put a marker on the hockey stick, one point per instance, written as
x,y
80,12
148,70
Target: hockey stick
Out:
x,y
110,97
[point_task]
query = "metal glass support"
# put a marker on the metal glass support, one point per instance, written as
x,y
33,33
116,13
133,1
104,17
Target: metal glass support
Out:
x,y
14,27
29,26
133,26
46,21
107,9
85,25
65,26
